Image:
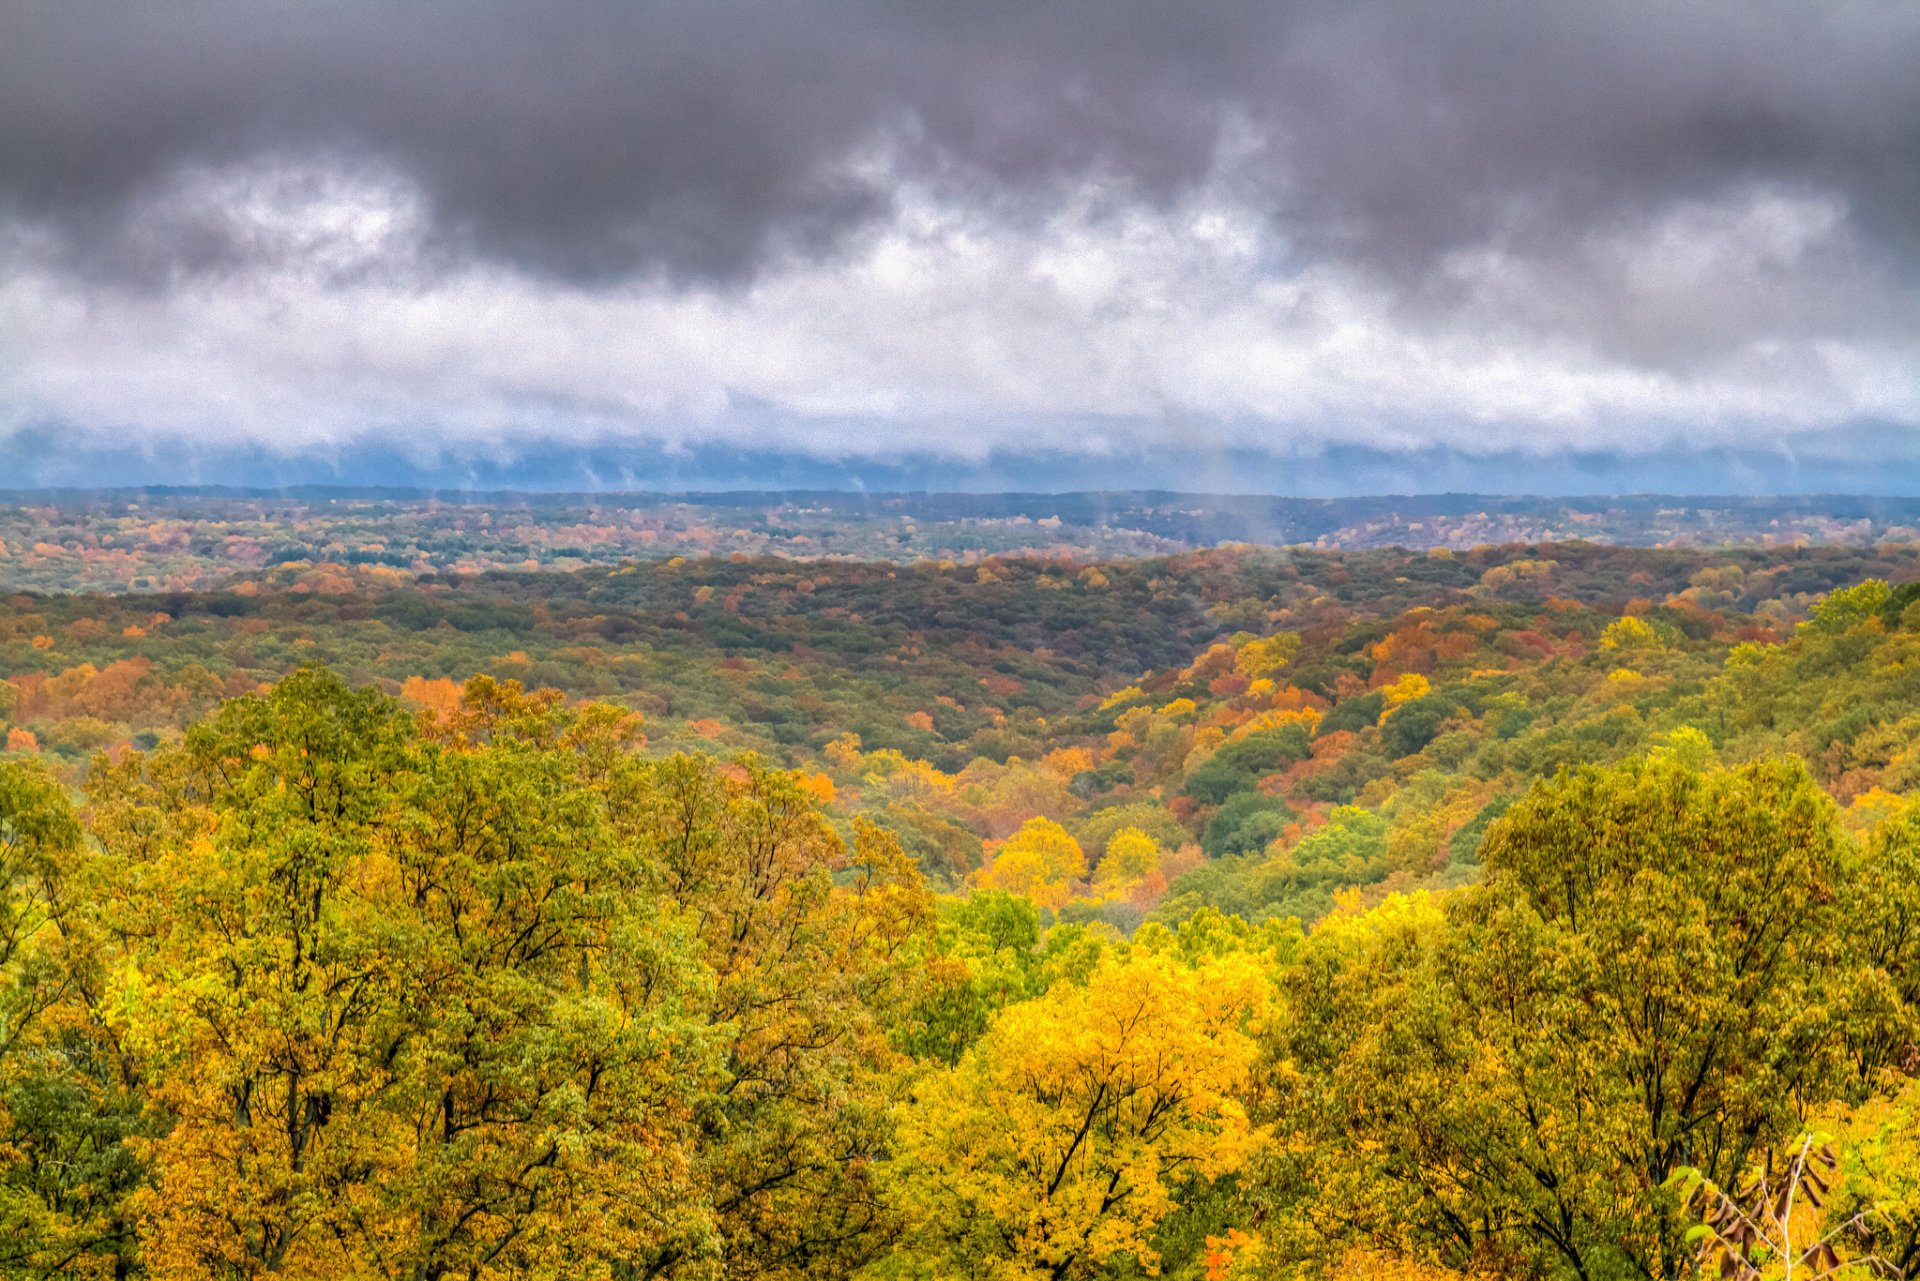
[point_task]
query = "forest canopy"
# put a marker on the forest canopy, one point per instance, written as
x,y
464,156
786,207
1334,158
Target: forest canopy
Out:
x,y
1247,915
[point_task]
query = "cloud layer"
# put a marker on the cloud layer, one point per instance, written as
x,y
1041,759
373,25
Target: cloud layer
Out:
x,y
967,229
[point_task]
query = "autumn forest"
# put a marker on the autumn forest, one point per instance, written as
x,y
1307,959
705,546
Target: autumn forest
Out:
x,y
990,902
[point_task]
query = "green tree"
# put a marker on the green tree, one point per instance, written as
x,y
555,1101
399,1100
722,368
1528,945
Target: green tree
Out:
x,y
1654,974
68,1103
817,949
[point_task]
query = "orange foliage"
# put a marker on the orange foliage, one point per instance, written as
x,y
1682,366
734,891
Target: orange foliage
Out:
x,y
440,696
1229,685
1065,763
1226,1254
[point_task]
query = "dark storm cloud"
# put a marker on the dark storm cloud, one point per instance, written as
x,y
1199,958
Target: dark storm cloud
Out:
x,y
699,139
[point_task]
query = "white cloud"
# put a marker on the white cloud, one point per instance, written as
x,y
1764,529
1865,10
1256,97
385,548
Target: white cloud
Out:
x,y
952,330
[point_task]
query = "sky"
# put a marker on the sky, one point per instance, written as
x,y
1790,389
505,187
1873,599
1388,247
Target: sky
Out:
x,y
1342,247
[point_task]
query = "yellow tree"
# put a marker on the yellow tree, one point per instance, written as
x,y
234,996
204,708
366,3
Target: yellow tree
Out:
x,y
1060,1141
1041,861
412,1008
1131,856
815,948
258,986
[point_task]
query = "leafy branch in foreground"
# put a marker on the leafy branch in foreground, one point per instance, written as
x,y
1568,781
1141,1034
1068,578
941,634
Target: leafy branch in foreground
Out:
x,y
1768,1226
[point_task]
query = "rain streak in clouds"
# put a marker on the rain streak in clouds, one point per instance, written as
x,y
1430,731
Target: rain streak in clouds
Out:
x,y
851,228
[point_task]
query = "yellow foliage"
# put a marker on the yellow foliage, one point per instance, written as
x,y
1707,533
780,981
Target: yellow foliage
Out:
x,y
1518,571
1687,745
1064,763
1058,1143
1409,687
1266,656
1279,718
1872,808
441,697
844,752
1131,856
819,786
1039,862
903,777
1630,633
1361,1264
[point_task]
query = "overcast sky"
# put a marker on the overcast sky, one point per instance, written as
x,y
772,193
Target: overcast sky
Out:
x,y
1141,235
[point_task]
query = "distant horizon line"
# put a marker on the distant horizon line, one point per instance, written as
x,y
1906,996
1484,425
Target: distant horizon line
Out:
x,y
470,494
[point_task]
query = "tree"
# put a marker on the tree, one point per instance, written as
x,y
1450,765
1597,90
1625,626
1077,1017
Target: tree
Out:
x,y
1041,862
260,989
410,1006
67,1104
814,947
1776,1224
1130,858
1653,975
988,956
1238,765
548,1100
1063,1138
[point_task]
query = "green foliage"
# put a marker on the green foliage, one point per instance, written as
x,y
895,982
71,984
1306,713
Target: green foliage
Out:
x,y
1464,845
1246,824
1848,607
991,943
68,1106
1099,827
1238,765
349,991
1351,714
1658,954
1275,884
1350,850
1413,725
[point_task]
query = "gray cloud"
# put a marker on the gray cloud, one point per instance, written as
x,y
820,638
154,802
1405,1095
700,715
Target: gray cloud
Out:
x,y
606,140
1487,222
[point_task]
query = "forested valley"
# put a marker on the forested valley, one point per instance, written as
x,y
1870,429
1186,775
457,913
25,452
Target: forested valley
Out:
x,y
1540,910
